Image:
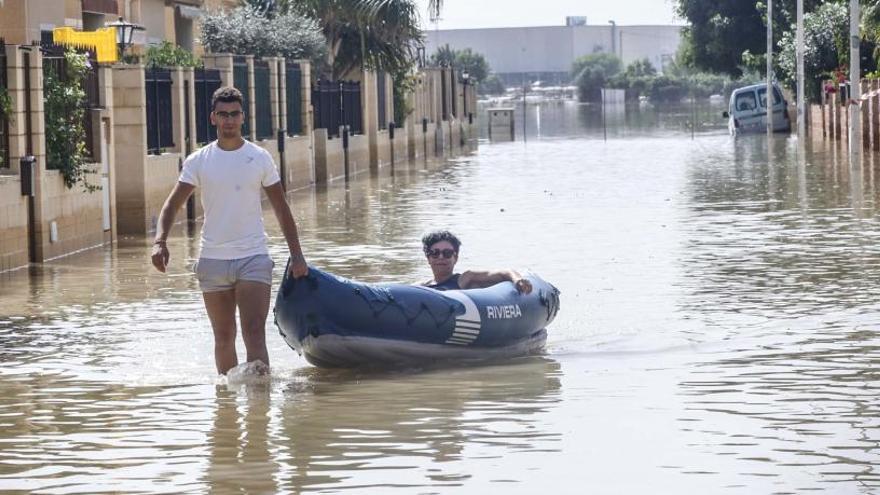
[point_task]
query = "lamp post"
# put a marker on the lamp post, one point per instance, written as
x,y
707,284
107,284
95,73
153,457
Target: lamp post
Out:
x,y
420,55
124,34
465,78
613,37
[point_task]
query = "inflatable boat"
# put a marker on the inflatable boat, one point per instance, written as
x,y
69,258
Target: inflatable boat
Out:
x,y
340,323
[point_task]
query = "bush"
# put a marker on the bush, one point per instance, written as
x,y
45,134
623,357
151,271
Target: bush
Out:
x,y
666,89
826,34
492,85
592,73
170,55
64,113
248,31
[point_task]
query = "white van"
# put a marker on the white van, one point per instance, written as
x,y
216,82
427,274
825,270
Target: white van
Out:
x,y
748,110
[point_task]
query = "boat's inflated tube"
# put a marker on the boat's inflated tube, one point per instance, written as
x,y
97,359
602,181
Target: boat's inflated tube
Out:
x,y
337,322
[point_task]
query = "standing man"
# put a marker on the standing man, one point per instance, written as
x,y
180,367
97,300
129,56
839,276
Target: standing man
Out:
x,y
234,269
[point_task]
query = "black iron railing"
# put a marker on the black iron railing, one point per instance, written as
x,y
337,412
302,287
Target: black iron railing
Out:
x,y
205,83
160,133
55,63
337,103
382,100
293,85
443,105
4,120
263,100
352,114
240,81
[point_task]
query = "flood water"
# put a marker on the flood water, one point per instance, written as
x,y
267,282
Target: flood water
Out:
x,y
718,333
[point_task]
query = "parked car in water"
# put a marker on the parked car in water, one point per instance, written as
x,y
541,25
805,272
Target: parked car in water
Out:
x,y
748,110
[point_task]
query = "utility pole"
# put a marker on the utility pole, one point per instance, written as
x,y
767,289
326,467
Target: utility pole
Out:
x,y
801,103
855,127
768,100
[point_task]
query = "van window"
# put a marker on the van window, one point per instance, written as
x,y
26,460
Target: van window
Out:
x,y
745,101
762,95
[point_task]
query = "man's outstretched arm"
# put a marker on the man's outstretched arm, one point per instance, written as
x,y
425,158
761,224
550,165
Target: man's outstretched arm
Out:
x,y
476,279
176,199
275,193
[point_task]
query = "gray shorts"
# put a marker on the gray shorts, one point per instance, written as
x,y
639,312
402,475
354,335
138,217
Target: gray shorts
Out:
x,y
216,275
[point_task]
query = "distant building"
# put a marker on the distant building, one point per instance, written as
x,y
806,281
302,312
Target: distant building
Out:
x,y
576,20
546,53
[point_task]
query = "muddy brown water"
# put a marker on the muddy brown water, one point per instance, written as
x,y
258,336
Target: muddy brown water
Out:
x,y
718,333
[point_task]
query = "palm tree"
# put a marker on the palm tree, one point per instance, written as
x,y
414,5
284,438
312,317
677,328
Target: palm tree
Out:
x,y
434,9
377,34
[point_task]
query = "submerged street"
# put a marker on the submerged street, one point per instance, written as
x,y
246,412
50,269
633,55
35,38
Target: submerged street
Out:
x,y
718,331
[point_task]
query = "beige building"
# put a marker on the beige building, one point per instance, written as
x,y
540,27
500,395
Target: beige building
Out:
x,y
25,22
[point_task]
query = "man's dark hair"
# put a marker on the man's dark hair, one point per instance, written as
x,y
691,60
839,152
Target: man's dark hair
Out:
x,y
436,236
226,94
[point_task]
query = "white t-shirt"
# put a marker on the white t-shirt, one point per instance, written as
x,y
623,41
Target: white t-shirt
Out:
x,y
230,183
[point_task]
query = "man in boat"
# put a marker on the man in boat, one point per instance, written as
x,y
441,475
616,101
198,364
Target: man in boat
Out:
x,y
234,268
441,248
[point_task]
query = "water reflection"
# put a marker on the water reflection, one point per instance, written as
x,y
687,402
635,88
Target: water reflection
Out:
x,y
341,430
752,243
243,457
807,404
568,118
406,430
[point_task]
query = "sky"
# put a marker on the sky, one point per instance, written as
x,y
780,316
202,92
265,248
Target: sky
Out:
x,y
464,14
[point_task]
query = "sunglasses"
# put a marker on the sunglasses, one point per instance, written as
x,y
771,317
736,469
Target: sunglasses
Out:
x,y
229,115
435,253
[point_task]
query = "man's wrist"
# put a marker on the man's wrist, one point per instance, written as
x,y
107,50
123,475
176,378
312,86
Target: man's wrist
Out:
x,y
160,242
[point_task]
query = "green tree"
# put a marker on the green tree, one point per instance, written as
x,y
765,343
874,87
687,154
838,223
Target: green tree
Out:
x,y
64,113
467,60
375,34
720,31
168,54
826,32
640,68
492,85
593,72
248,30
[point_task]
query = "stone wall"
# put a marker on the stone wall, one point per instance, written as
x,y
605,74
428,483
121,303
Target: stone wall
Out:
x,y
135,184
13,224
71,217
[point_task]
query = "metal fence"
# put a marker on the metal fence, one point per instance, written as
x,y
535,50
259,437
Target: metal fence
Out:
x,y
240,81
293,88
383,98
55,63
92,88
263,100
444,107
337,103
4,121
160,133
206,81
454,86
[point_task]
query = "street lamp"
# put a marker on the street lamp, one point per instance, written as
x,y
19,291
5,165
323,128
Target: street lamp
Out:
x,y
124,34
465,78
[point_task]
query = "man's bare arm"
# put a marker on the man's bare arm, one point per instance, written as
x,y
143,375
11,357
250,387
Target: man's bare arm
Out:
x,y
476,279
176,199
275,193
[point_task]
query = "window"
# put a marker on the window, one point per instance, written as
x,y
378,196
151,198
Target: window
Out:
x,y
762,95
745,101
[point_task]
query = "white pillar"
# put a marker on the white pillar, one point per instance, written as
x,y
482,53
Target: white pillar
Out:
x,y
855,128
